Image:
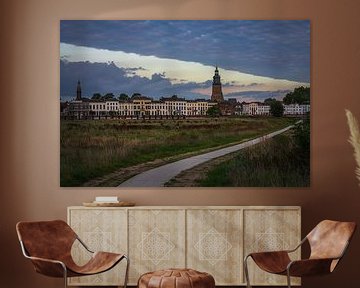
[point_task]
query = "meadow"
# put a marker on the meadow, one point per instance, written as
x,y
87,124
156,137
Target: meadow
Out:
x,y
283,161
93,148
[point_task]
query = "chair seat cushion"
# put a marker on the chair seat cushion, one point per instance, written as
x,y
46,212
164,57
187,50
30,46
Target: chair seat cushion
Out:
x,y
99,262
272,262
176,278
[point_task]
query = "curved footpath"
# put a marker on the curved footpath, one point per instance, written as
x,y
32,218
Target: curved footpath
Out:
x,y
157,177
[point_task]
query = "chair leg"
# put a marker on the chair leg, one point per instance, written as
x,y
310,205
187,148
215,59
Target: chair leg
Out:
x,y
127,271
65,276
288,278
246,272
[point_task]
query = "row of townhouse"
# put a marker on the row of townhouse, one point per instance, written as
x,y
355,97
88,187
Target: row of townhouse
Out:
x,y
142,106
296,109
258,108
139,106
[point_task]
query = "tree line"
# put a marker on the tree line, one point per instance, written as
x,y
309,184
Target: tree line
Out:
x,y
300,95
111,96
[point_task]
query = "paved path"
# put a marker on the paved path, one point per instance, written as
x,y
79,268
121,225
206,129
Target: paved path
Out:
x,y
157,177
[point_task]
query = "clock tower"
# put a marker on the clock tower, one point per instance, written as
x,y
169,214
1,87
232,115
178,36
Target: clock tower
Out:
x,y
217,95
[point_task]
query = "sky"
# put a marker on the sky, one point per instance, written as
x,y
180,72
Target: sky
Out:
x,y
257,59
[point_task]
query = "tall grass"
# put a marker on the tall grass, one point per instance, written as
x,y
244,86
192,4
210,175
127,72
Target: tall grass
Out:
x,y
90,149
278,162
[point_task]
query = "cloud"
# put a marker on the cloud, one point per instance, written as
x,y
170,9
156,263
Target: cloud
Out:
x,y
273,48
170,72
108,78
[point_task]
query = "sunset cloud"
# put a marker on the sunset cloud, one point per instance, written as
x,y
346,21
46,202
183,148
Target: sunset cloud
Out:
x,y
175,71
159,58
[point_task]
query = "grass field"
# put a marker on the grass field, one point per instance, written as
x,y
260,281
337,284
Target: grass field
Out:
x,y
94,148
277,162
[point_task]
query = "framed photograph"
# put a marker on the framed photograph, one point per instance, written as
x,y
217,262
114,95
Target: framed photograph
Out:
x,y
185,103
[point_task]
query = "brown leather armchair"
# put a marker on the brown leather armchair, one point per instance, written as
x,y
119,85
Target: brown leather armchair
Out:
x,y
48,245
328,242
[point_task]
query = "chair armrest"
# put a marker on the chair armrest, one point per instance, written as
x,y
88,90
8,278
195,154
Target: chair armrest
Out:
x,y
298,246
281,251
309,267
48,267
45,260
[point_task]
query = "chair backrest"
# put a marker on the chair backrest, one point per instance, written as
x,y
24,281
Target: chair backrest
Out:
x,y
329,239
46,239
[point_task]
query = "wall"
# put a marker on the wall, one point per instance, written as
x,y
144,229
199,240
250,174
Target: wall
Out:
x,y
29,112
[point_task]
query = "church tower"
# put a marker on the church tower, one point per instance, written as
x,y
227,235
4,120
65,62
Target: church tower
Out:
x,y
78,91
217,94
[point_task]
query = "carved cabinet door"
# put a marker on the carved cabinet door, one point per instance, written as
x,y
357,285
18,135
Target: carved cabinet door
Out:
x,y
214,244
156,240
271,230
101,230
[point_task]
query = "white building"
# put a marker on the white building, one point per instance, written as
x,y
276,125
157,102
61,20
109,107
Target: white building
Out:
x,y
255,108
263,109
175,105
296,109
97,108
142,106
126,108
112,105
258,108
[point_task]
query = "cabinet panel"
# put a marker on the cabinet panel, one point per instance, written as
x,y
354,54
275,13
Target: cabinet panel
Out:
x,y
156,240
269,230
214,242
101,230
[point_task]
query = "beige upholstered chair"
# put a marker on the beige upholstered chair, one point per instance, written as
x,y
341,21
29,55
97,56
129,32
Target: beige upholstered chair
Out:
x,y
48,245
328,242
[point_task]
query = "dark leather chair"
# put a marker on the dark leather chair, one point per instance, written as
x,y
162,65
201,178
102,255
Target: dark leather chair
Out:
x,y
48,245
328,242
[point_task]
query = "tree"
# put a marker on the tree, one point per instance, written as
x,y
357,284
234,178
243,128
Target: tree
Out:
x,y
276,109
96,96
300,95
268,101
108,96
135,95
124,97
213,111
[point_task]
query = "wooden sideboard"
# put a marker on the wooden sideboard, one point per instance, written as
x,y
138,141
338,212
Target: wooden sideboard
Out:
x,y
212,239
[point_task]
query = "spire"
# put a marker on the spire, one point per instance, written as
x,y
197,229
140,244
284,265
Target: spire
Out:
x,y
216,77
78,91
